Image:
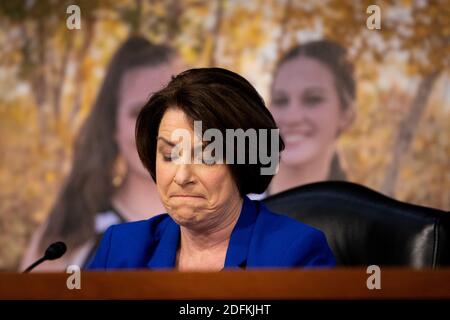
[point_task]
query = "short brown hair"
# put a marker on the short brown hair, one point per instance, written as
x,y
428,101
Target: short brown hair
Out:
x,y
221,99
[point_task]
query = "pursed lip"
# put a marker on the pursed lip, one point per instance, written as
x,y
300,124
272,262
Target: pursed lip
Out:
x,y
186,196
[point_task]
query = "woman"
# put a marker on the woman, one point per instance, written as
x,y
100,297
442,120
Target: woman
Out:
x,y
312,102
210,224
107,183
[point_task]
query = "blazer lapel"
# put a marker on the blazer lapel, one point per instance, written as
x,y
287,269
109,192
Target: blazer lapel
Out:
x,y
241,236
165,253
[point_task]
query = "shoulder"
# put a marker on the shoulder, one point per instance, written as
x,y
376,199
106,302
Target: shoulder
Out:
x,y
295,243
127,245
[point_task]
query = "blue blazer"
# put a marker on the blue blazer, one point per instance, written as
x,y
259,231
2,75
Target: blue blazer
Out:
x,y
260,239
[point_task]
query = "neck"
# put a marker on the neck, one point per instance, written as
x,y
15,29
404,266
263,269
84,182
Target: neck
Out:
x,y
317,169
137,198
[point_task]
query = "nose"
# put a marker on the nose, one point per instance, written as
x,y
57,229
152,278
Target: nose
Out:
x,y
183,175
292,115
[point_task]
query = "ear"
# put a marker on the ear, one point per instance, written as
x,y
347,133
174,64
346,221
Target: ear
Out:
x,y
347,117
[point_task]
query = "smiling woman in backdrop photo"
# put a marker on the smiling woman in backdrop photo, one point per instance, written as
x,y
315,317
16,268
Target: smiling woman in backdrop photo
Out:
x,y
312,101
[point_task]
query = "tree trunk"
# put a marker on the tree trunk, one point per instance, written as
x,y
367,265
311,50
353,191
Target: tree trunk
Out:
x,y
216,32
136,22
283,24
35,61
173,14
58,84
79,76
406,132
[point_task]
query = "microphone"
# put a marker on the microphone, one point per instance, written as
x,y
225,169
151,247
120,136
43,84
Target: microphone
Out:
x,y
54,251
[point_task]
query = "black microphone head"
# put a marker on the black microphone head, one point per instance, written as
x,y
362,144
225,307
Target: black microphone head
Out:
x,y
55,250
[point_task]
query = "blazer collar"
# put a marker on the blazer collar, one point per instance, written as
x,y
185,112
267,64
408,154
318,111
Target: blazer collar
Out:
x,y
241,235
164,255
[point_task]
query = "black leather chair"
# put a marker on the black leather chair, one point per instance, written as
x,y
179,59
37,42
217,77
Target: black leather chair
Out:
x,y
364,227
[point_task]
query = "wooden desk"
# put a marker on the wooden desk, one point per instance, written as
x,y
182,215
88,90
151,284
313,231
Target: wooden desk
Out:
x,y
342,284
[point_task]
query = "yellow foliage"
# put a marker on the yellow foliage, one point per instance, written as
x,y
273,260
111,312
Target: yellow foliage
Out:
x,y
35,148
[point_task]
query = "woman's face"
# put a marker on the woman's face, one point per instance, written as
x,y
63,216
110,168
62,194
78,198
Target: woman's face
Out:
x,y
137,85
195,195
305,105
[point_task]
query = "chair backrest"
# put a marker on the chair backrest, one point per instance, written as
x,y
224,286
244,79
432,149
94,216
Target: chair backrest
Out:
x,y
364,227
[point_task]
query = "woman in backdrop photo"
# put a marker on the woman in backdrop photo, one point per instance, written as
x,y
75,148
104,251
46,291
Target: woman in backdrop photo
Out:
x,y
210,223
312,101
107,183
